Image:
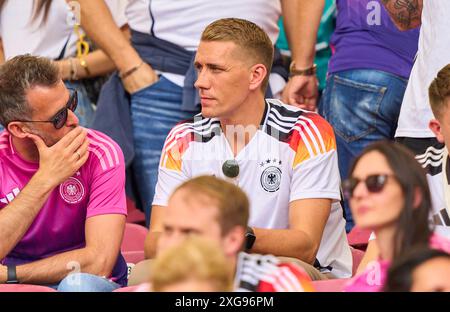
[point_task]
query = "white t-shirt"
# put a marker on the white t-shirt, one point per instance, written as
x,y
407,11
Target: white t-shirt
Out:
x,y
182,22
292,156
433,55
19,35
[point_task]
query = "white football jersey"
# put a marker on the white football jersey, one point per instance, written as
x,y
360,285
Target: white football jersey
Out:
x,y
292,156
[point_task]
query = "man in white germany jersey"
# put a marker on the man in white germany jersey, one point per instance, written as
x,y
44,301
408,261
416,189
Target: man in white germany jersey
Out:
x,y
284,158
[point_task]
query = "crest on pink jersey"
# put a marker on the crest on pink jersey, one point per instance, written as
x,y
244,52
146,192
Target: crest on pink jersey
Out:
x,y
71,190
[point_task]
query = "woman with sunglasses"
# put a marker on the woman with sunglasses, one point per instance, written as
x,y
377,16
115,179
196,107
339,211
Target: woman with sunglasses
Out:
x,y
388,194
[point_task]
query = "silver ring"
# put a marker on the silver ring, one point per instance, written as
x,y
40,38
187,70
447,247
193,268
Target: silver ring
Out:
x,y
79,156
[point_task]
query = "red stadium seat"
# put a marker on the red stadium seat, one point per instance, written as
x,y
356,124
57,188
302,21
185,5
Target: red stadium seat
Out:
x,y
134,214
24,288
133,256
333,285
133,244
358,238
357,256
134,237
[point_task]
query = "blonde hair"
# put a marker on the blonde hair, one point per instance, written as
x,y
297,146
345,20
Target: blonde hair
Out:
x,y
195,258
439,91
230,200
246,35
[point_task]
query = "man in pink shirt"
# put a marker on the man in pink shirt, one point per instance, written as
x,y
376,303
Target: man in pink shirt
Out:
x,y
62,195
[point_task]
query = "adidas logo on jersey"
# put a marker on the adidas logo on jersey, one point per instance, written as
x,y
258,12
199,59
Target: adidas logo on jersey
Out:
x,y
10,196
441,218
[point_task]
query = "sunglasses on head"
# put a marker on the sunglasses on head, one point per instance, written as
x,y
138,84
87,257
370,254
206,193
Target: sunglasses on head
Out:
x,y
374,184
60,118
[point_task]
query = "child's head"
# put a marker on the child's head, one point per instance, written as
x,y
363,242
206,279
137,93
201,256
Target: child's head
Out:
x,y
422,269
196,264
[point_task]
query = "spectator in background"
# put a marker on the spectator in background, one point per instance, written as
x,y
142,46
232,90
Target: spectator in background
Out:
x,y
435,161
218,210
62,195
196,264
422,270
283,157
439,171
368,74
323,48
389,195
48,28
434,43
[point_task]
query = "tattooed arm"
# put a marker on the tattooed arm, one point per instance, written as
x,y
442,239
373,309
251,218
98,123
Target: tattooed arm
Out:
x,y
406,14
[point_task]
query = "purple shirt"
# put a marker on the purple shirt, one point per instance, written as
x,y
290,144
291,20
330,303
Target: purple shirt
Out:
x,y
97,188
366,38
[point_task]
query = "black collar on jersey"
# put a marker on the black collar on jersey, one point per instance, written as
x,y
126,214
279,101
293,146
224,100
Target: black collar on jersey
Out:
x,y
447,171
230,168
264,116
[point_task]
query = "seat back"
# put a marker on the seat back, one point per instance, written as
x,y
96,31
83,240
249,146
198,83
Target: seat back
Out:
x,y
357,256
134,237
134,214
358,238
133,256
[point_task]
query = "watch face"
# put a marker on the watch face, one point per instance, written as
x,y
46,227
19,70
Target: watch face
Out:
x,y
249,240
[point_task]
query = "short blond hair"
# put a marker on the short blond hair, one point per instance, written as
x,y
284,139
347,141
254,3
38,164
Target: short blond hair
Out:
x,y
232,203
247,36
439,92
195,258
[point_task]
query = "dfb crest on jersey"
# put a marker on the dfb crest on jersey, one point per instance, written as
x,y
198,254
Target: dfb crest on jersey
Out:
x,y
72,190
271,175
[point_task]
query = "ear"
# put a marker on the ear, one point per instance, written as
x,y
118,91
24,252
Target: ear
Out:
x,y
258,73
417,197
233,241
18,129
435,126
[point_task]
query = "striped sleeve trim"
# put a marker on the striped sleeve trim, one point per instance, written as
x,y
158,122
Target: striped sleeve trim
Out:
x,y
103,149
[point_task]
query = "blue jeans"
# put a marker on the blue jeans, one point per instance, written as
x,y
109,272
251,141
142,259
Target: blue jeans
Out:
x,y
84,282
85,111
363,107
155,110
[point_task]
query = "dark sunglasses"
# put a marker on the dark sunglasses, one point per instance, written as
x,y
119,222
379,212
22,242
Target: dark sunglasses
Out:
x,y
60,118
374,184
230,168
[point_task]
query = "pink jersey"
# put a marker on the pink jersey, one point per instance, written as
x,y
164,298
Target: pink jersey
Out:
x,y
374,277
97,188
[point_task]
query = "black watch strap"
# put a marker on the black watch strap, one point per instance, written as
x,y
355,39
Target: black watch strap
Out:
x,y
250,238
12,275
